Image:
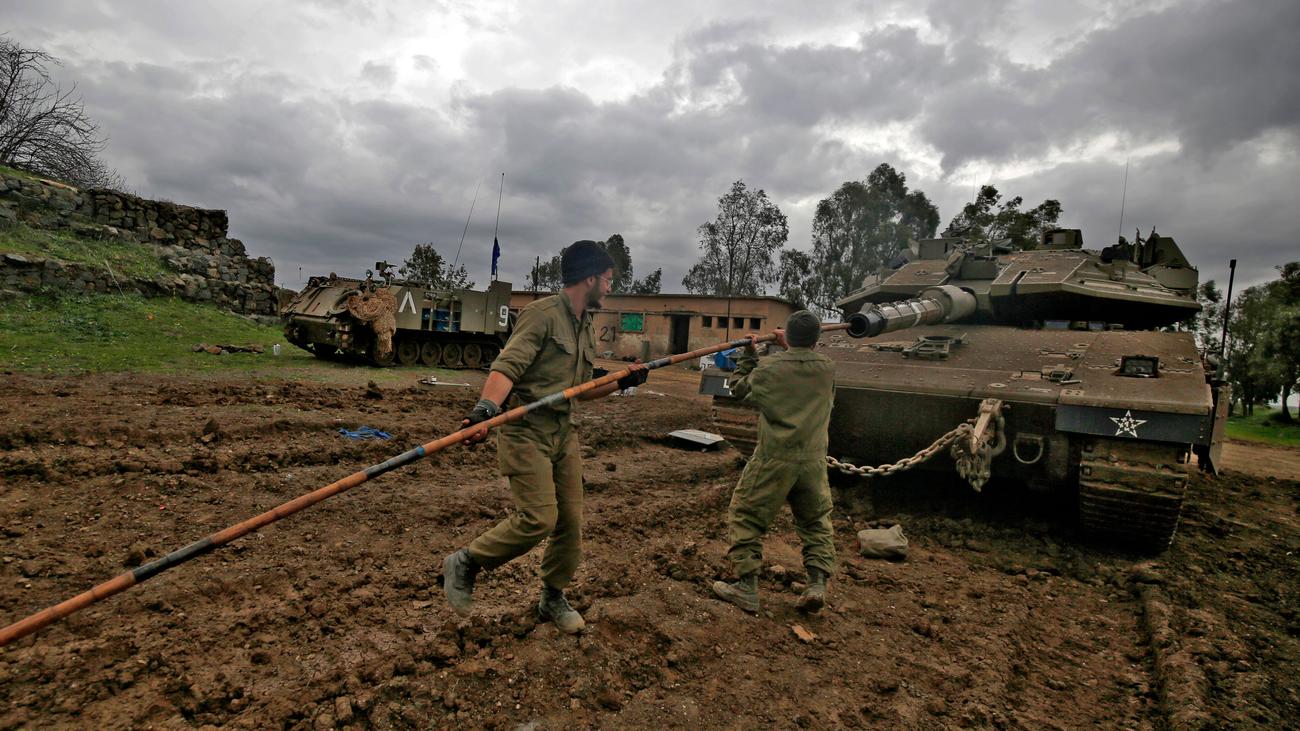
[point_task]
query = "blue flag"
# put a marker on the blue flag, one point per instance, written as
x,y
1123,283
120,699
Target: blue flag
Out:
x,y
496,254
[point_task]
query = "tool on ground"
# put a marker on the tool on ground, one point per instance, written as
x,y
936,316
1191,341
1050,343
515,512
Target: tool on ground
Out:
x,y
856,327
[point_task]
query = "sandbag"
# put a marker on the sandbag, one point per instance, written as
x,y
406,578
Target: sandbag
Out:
x,y
888,543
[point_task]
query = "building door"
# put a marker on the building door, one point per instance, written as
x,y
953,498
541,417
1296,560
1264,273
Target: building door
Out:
x,y
680,339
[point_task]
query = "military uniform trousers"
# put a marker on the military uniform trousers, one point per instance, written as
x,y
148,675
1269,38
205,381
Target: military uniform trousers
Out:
x,y
540,457
766,484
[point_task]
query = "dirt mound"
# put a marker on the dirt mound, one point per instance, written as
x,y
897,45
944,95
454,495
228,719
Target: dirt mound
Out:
x,y
999,618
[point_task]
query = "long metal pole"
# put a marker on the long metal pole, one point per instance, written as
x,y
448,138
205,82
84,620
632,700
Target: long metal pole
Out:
x,y
149,570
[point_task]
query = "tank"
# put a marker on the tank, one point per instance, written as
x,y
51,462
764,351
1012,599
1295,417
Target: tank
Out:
x,y
1063,361
384,321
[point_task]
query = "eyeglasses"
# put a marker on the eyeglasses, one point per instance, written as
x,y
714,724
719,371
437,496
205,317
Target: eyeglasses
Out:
x,y
609,281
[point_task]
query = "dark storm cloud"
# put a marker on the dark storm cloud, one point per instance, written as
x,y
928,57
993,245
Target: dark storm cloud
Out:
x,y
1208,74
325,180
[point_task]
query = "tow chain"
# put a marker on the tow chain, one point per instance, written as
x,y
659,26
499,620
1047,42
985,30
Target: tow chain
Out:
x,y
969,446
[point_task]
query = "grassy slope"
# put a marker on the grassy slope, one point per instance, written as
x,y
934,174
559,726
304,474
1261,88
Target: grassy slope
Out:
x,y
114,333
1264,427
127,332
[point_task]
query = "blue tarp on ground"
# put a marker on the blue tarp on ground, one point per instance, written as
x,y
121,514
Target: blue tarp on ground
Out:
x,y
365,432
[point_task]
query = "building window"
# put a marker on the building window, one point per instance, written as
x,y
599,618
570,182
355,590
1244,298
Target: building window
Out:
x,y
738,323
706,320
754,323
632,322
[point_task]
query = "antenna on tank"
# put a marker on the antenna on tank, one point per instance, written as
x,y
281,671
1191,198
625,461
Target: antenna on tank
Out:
x,y
462,233
1123,198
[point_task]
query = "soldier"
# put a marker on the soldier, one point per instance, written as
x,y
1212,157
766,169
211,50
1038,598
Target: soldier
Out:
x,y
551,348
793,391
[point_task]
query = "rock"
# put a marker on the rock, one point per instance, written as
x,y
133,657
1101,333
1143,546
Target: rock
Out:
x,y
372,391
609,699
343,709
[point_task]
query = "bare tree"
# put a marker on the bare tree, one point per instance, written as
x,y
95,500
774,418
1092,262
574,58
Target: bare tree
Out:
x,y
44,128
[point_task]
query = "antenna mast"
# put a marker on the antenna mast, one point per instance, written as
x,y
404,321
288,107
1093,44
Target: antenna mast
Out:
x,y
462,233
497,225
1123,198
500,190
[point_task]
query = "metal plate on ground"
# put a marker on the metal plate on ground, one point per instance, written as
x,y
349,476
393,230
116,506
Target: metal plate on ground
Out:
x,y
695,436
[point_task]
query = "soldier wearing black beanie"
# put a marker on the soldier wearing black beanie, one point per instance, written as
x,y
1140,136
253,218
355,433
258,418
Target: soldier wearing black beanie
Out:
x,y
583,259
552,348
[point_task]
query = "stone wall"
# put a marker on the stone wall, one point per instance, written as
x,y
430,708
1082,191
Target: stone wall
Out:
x,y
206,265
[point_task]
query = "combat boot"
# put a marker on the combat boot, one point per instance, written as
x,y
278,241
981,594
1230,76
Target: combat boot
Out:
x,y
458,572
555,608
814,597
743,593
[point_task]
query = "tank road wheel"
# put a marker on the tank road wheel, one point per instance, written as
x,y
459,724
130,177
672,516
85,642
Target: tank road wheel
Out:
x,y
408,352
472,356
451,355
430,353
490,353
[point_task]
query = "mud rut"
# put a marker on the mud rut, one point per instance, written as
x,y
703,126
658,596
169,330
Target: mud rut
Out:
x,y
1000,619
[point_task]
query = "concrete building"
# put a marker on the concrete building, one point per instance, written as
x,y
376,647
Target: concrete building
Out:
x,y
652,325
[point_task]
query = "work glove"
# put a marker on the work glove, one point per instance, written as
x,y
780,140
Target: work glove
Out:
x,y
634,379
483,410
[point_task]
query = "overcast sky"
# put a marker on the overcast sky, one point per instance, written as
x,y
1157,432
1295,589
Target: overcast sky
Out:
x,y
339,132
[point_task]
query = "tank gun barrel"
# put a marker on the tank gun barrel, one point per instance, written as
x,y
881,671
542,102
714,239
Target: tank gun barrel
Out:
x,y
946,303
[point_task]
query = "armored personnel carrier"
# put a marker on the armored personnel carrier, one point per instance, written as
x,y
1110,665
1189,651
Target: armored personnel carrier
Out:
x,y
1053,358
385,321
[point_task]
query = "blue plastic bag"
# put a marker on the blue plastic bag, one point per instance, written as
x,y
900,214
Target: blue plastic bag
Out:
x,y
725,359
365,432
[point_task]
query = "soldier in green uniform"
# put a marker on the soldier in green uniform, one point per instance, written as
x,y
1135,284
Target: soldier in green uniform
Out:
x,y
551,348
793,391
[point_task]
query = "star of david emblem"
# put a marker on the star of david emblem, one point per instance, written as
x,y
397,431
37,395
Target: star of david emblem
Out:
x,y
1127,424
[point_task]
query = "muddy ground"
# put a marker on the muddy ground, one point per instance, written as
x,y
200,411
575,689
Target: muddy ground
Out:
x,y
1000,618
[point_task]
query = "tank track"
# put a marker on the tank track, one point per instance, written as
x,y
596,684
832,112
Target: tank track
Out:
x,y
1131,492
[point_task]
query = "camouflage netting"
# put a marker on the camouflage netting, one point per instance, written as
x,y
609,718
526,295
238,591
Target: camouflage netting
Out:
x,y
379,308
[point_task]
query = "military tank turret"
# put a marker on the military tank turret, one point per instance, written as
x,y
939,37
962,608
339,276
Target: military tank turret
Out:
x,y
1058,347
382,320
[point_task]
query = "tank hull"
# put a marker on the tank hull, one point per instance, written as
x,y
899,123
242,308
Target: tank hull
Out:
x,y
457,328
1121,444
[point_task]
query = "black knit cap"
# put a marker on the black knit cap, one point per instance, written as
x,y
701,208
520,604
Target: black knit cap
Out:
x,y
802,329
583,259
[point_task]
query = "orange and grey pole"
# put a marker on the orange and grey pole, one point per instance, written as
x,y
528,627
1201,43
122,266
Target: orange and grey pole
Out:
x,y
144,572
